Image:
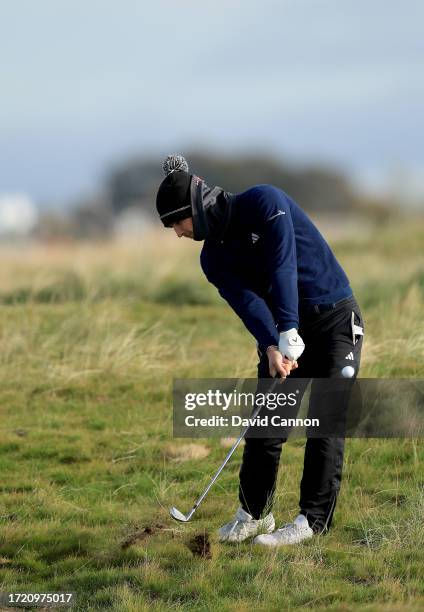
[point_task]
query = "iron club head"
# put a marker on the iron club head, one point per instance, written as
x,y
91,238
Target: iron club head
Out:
x,y
178,516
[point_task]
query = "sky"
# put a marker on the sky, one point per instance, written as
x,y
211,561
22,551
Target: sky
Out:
x,y
88,84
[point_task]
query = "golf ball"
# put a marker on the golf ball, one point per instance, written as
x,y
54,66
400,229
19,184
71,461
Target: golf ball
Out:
x,y
348,372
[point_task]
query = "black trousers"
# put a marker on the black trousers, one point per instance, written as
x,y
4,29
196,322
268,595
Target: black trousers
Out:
x,y
330,345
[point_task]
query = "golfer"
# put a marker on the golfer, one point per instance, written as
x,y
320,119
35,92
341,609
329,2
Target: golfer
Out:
x,y
273,267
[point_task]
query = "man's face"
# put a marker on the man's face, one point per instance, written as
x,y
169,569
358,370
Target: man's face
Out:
x,y
184,228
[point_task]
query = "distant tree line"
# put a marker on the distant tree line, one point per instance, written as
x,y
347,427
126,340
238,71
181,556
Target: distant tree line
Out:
x,y
315,188
129,190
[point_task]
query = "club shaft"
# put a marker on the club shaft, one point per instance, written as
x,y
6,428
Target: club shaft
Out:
x,y
227,458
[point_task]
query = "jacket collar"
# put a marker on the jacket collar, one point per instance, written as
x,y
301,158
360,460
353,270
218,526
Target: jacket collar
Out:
x,y
212,210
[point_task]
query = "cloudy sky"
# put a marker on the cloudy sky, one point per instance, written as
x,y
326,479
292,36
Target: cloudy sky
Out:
x,y
86,83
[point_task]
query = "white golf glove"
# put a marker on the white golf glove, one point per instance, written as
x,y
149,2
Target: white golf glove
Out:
x,y
291,344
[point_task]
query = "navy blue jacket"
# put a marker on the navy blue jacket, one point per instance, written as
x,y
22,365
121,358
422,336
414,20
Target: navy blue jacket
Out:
x,y
271,262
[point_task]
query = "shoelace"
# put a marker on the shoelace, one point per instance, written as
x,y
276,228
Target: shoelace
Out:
x,y
290,527
236,521
234,526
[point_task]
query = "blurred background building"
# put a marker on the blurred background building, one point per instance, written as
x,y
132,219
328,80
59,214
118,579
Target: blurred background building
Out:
x,y
18,215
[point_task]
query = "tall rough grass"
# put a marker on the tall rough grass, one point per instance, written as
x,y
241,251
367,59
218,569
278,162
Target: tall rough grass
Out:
x,y
90,339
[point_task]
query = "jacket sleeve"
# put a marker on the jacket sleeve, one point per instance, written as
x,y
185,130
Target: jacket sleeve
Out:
x,y
271,220
251,308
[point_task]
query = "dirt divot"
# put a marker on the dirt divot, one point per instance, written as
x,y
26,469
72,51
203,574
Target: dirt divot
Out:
x,y
185,452
22,433
200,546
141,534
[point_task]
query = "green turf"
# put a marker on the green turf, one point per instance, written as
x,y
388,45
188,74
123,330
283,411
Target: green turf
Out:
x,y
86,367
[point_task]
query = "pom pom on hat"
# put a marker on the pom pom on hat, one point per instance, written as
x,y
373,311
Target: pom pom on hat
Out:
x,y
174,163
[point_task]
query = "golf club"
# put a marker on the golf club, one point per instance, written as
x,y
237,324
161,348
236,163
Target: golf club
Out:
x,y
184,518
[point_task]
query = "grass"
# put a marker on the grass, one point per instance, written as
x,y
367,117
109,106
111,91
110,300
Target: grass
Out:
x,y
90,338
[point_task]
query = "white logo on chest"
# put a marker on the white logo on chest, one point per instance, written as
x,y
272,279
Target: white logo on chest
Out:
x,y
280,212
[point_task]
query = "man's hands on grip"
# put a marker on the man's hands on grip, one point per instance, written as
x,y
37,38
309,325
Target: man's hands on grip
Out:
x,y
278,364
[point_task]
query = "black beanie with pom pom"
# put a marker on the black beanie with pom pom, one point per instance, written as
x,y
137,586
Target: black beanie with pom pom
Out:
x,y
182,195
173,200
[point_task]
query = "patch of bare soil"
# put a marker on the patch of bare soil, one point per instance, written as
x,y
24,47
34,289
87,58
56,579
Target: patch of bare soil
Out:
x,y
185,452
228,442
141,534
200,546
4,561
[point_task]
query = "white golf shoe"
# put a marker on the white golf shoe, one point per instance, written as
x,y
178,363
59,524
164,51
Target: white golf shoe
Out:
x,y
244,526
293,533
